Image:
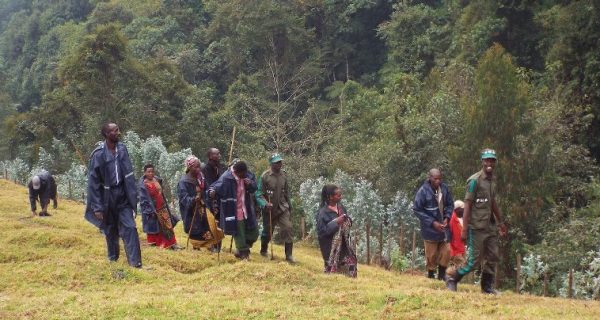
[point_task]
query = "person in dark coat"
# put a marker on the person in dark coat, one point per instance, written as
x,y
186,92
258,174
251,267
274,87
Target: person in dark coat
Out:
x,y
333,231
213,168
112,196
234,192
190,191
433,206
42,187
157,220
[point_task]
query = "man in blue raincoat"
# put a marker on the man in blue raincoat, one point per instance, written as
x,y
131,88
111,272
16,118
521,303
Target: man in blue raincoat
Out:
x,y
235,193
433,206
112,196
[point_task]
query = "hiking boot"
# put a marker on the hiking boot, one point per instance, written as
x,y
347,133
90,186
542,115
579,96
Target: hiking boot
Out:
x,y
452,282
441,273
264,247
487,284
243,254
45,214
288,253
431,274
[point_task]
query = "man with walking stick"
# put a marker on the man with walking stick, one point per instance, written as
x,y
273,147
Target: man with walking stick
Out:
x,y
273,196
234,192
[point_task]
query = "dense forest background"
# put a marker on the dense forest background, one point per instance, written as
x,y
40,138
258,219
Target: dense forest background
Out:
x,y
381,90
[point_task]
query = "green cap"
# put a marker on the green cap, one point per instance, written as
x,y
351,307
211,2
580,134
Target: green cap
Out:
x,y
275,157
488,154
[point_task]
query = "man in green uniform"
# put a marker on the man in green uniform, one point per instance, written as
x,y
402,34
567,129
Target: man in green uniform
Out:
x,y
484,221
273,197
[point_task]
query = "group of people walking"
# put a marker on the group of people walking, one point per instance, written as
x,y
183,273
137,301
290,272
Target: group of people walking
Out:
x,y
462,235
214,201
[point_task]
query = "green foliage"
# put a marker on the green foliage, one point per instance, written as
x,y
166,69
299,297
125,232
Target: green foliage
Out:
x,y
532,274
416,35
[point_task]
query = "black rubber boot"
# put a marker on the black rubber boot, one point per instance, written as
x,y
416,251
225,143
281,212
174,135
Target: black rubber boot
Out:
x,y
288,252
441,273
431,274
452,282
243,254
487,284
264,247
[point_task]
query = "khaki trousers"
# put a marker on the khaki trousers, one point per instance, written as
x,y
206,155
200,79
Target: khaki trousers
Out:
x,y
437,253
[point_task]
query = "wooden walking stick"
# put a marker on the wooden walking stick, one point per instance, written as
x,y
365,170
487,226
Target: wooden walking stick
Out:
x,y
217,212
269,194
187,245
231,146
229,163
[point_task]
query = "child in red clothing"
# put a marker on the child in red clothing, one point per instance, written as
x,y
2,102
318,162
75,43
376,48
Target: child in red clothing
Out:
x,y
457,246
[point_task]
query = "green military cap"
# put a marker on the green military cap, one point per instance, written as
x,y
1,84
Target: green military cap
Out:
x,y
488,154
275,157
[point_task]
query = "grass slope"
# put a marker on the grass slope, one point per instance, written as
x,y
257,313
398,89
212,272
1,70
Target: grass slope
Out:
x,y
56,268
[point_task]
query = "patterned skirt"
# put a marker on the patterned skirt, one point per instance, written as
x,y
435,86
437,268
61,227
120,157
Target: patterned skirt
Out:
x,y
165,237
342,258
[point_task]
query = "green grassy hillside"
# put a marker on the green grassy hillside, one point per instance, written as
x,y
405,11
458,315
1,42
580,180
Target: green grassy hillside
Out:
x,y
56,268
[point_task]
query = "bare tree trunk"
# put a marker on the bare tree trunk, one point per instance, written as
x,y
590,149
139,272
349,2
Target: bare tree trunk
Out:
x,y
570,292
401,240
518,278
368,226
380,243
414,248
545,284
302,228
347,69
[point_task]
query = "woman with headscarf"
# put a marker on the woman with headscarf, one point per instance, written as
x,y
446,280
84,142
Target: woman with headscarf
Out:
x,y
157,221
198,221
333,230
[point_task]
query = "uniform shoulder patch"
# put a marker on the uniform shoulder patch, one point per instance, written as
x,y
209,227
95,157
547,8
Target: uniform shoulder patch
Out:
x,y
471,185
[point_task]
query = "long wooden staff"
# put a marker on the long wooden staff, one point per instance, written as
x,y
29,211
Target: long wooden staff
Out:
x,y
216,212
229,163
269,193
231,146
192,224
